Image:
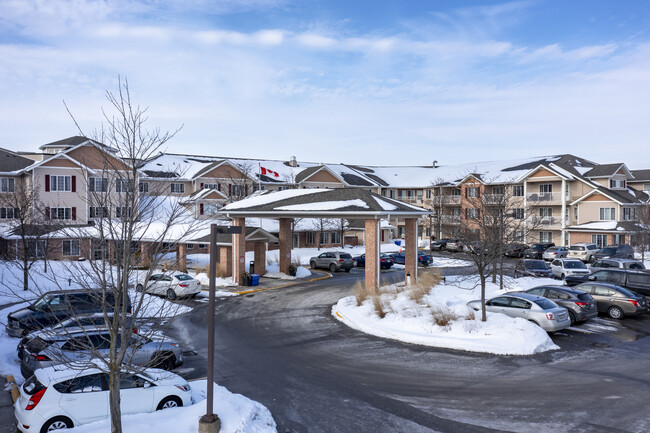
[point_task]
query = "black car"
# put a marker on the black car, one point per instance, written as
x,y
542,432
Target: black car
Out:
x,y
56,306
533,268
615,251
515,250
536,251
636,281
423,259
440,244
385,261
581,305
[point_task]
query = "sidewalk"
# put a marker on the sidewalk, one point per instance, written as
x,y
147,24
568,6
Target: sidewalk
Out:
x,y
7,420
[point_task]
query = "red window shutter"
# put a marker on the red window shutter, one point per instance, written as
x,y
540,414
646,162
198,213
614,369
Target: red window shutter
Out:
x,y
74,184
466,213
47,183
229,189
201,185
611,183
47,213
201,208
478,192
74,211
466,192
246,190
478,213
218,187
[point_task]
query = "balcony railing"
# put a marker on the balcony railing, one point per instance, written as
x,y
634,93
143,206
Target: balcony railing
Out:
x,y
493,198
544,197
451,219
546,221
450,199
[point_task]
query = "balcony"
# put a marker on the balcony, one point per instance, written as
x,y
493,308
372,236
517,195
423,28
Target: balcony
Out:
x,y
544,197
492,198
451,219
546,221
450,199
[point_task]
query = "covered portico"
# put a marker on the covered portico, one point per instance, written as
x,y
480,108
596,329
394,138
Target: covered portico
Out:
x,y
340,203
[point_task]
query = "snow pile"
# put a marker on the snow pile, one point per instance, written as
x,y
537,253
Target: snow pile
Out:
x,y
412,322
273,271
238,414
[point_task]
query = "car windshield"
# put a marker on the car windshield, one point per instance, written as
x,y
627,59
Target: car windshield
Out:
x,y
577,248
545,304
574,265
183,277
538,264
41,303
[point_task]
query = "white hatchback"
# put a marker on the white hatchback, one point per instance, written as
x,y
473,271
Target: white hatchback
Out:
x,y
173,285
563,267
59,397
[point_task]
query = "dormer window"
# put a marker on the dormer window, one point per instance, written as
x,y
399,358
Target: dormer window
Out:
x,y
617,183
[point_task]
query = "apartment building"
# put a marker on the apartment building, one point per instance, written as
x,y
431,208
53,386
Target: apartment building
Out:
x,y
561,198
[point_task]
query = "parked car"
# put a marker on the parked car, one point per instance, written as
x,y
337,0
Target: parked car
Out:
x,y
57,306
634,265
455,246
423,259
332,260
541,311
583,251
173,285
636,281
581,306
553,253
57,397
536,251
385,261
515,250
77,347
575,279
615,251
532,268
441,244
563,267
615,300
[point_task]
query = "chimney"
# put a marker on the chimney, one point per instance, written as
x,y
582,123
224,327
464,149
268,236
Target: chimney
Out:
x,y
435,163
293,162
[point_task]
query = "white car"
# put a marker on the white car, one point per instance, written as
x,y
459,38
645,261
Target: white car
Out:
x,y
563,267
583,251
62,397
173,285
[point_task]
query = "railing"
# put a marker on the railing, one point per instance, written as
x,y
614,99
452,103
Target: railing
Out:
x,y
546,221
493,198
451,219
544,197
450,199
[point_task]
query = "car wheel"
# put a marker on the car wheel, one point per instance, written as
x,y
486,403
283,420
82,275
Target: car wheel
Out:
x,y
56,423
139,288
347,269
312,265
615,313
592,259
171,294
354,263
333,267
169,402
166,362
573,318
562,276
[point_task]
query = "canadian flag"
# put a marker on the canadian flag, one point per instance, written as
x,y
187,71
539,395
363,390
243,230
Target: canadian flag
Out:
x,y
266,171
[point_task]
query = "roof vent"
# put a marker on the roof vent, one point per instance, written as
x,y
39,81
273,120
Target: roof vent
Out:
x,y
293,162
435,163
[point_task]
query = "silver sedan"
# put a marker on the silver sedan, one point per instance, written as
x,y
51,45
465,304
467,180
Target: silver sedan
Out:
x,y
541,311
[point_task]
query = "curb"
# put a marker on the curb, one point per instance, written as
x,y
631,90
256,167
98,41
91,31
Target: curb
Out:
x,y
327,275
15,393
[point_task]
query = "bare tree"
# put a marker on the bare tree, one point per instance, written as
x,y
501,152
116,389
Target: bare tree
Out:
x,y
240,181
641,235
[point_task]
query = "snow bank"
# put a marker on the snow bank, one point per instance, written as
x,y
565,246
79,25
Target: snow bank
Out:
x,y
413,322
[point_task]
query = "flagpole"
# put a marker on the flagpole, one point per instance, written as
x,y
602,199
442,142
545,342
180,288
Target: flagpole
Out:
x,y
259,177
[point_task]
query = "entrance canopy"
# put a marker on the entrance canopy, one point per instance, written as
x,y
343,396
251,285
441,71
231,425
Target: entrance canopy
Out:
x,y
348,203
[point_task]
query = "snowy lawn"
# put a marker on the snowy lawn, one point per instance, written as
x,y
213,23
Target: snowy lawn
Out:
x,y
415,322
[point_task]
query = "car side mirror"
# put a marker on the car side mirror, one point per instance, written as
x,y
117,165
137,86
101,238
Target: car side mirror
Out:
x,y
146,384
592,277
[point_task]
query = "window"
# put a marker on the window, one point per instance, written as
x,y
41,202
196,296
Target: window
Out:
x,y
7,184
600,240
519,236
617,183
309,238
472,213
336,237
391,193
90,383
428,194
189,246
210,208
545,188
518,190
498,190
281,188
629,214
472,192
122,211
61,183
211,186
143,187
546,237
36,249
98,212
455,192
123,185
419,194
607,213
202,246
519,303
71,248
97,184
61,213
518,213
575,213
646,186
456,211
7,213
238,191
545,212
324,238
177,188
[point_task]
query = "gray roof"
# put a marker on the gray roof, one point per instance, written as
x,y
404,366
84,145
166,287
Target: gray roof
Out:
x,y
66,142
226,239
641,174
603,170
307,172
10,161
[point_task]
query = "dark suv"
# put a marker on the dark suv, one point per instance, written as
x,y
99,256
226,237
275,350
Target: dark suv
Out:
x,y
536,251
515,250
615,251
637,281
581,305
532,268
56,306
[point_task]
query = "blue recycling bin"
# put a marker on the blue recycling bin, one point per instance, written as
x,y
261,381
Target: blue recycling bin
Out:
x,y
255,279
398,243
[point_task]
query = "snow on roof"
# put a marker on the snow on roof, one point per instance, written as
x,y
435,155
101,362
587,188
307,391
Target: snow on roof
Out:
x,y
267,198
328,205
182,166
385,205
597,225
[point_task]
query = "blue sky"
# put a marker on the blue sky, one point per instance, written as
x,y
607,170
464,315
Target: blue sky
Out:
x,y
373,82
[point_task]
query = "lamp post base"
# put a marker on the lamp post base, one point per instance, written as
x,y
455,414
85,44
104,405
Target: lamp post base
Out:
x,y
209,424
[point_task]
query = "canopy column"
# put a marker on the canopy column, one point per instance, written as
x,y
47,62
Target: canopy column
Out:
x,y
260,257
372,256
225,261
411,252
239,251
285,244
181,257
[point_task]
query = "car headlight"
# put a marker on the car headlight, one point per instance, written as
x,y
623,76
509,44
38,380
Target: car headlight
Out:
x,y
183,387
175,344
